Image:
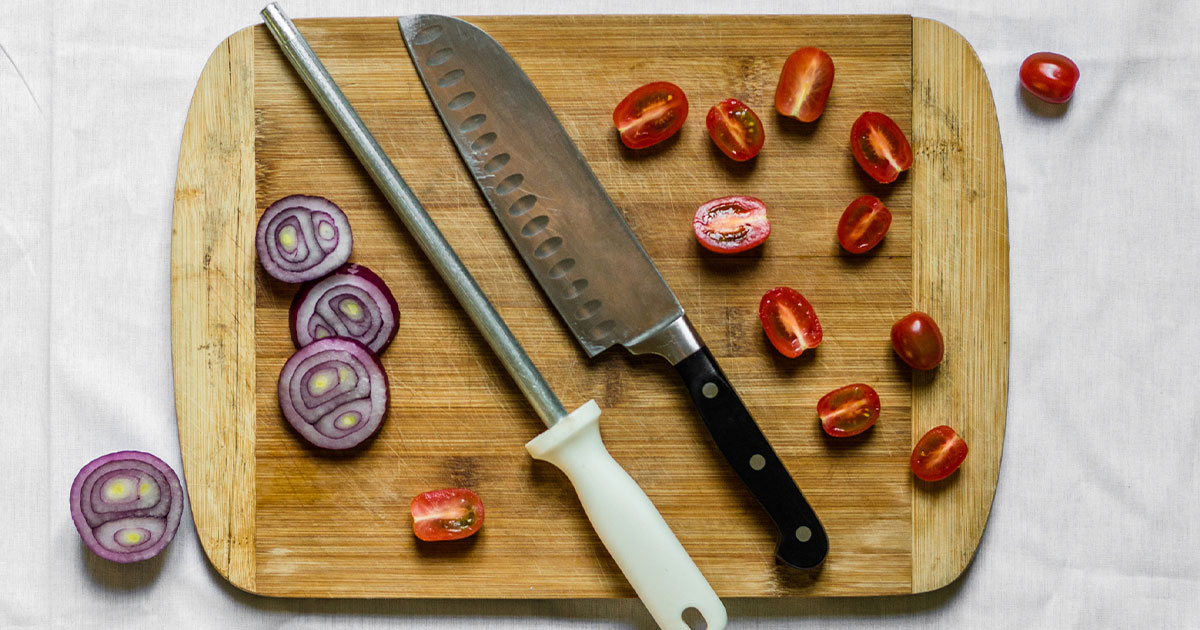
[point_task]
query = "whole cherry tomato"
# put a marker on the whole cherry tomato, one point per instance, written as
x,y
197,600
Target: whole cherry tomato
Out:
x,y
1049,76
650,114
804,84
789,320
848,410
937,454
447,514
863,224
735,129
917,339
731,224
880,147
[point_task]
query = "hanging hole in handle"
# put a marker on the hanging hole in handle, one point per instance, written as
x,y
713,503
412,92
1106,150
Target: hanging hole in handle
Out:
x,y
694,618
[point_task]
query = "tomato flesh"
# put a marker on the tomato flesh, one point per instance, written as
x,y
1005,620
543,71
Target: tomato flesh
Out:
x,y
804,84
863,224
918,340
848,410
1049,76
447,514
735,129
789,320
731,224
880,147
937,454
650,114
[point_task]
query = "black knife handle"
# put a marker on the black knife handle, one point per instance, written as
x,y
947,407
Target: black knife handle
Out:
x,y
802,541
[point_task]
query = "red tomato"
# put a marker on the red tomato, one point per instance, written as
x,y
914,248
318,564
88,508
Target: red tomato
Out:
x,y
1049,76
447,514
863,224
789,321
804,84
650,114
732,224
880,147
918,341
848,410
735,129
937,454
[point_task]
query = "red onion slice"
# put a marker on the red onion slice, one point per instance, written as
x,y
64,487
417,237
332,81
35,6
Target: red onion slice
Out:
x,y
334,393
302,238
126,505
352,302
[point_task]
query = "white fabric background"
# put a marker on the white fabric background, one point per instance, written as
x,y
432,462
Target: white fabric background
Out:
x,y
1095,520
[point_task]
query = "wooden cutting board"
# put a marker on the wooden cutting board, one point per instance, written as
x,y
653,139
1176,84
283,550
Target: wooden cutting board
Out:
x,y
277,518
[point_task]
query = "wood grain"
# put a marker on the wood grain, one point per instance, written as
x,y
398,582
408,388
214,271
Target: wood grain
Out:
x,y
317,525
212,326
960,277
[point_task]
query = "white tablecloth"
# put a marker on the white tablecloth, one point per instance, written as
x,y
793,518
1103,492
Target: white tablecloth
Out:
x,y
1095,520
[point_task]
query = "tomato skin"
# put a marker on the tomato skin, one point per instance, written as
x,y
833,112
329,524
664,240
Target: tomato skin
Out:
x,y
937,454
804,84
1049,76
918,341
650,114
735,129
729,225
863,225
880,147
848,411
448,514
789,321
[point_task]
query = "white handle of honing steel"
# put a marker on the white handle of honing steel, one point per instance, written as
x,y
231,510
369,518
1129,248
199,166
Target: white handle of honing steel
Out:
x,y
657,566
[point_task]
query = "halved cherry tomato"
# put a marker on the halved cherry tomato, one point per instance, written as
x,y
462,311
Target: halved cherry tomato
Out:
x,y
1049,76
735,129
731,224
880,147
789,321
650,114
447,514
863,224
848,410
917,339
804,84
937,454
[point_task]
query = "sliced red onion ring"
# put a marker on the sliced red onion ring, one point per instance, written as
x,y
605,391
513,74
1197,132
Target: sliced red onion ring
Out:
x,y
126,505
302,238
334,393
352,302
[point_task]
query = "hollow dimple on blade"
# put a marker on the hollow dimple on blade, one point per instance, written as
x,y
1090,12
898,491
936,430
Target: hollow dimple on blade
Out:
x,y
540,188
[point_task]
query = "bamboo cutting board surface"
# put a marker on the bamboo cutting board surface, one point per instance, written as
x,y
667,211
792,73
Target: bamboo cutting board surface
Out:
x,y
277,518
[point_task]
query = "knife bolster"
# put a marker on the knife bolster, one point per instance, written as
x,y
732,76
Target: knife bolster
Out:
x,y
675,342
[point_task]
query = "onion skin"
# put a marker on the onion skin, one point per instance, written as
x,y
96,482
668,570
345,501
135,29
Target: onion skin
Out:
x,y
301,238
313,307
334,393
111,513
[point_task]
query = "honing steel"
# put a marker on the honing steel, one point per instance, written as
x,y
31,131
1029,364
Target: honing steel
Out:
x,y
643,545
583,254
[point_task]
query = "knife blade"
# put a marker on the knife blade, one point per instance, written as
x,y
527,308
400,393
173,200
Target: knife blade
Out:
x,y
631,528
583,254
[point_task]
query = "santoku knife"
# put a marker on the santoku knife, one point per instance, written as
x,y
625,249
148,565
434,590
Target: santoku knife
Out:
x,y
640,541
582,252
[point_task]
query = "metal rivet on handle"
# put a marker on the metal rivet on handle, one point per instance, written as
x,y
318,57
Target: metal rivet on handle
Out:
x,y
709,390
758,462
803,533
